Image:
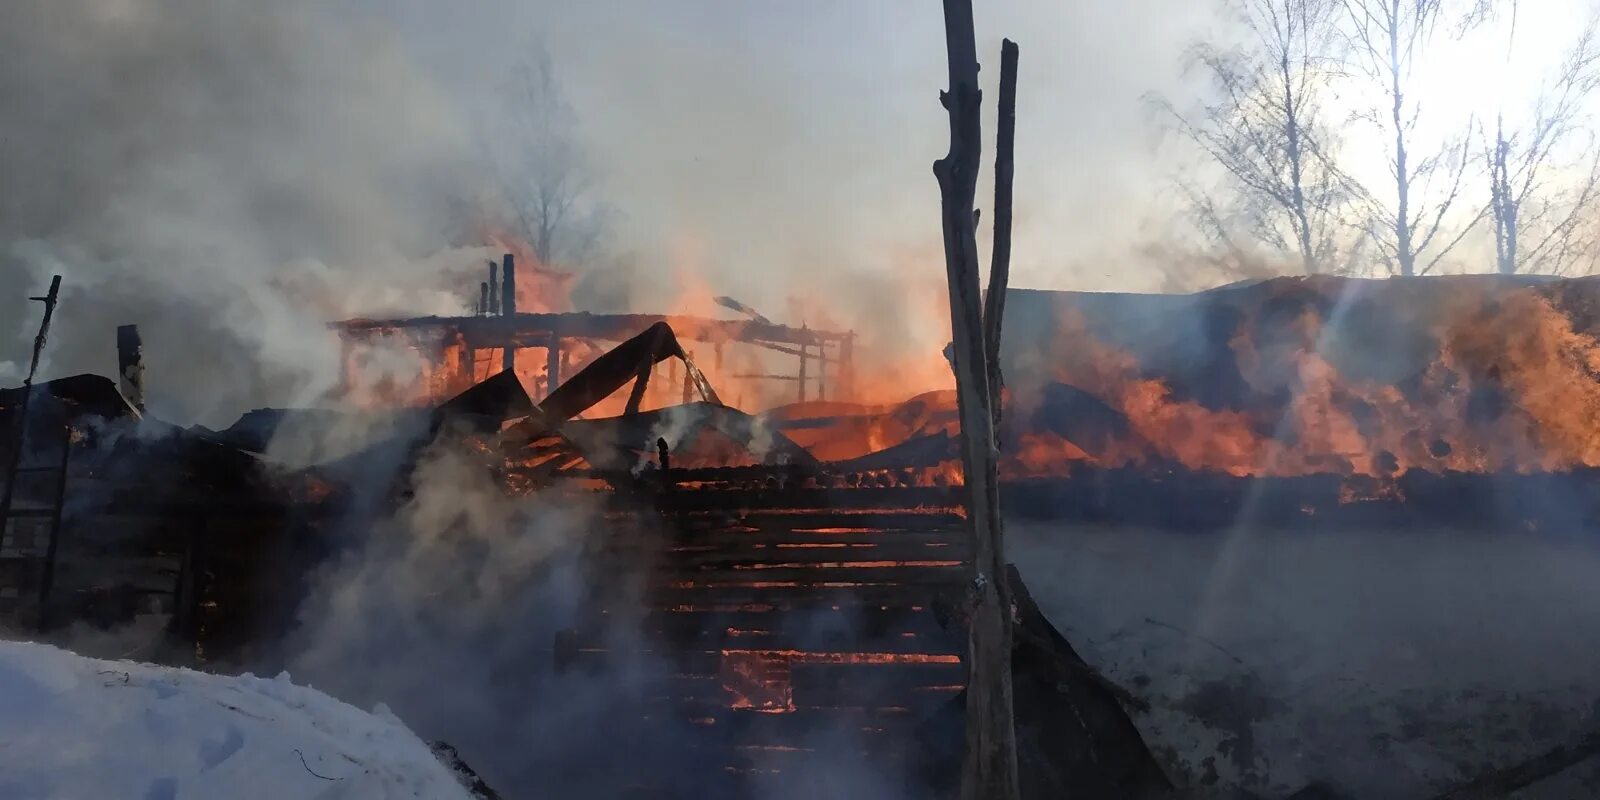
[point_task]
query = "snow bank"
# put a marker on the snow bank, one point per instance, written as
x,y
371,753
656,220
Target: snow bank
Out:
x,y
74,727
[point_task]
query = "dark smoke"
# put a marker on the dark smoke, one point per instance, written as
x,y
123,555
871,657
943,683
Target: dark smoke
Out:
x,y
226,175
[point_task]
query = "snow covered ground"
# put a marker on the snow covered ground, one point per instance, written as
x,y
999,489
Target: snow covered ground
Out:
x,y
75,728
1386,664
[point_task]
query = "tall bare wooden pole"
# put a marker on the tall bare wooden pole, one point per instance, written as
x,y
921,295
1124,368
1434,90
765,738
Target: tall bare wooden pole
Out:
x,y
994,302
990,768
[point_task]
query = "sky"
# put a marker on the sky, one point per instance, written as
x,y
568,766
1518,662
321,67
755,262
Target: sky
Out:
x,y
230,175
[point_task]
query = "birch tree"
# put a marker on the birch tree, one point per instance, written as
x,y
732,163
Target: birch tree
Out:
x,y
1265,128
1544,176
1385,39
543,171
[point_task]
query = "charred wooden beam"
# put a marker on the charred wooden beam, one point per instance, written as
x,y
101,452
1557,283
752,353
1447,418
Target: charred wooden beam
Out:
x,y
508,305
469,361
492,331
847,366
492,307
130,365
822,372
805,364
552,365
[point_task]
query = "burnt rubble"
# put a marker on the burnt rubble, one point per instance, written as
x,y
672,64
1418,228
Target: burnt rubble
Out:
x,y
796,573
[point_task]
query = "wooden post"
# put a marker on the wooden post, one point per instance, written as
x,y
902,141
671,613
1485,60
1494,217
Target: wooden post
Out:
x,y
688,383
469,361
184,603
483,298
994,305
493,306
805,362
847,367
989,771
130,365
822,370
640,384
508,307
47,581
552,364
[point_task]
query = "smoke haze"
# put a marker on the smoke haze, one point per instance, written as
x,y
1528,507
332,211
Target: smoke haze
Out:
x,y
231,175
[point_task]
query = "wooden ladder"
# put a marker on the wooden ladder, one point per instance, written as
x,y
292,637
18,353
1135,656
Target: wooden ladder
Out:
x,y
18,553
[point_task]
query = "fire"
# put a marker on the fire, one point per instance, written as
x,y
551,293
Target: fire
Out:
x,y
1513,387
1488,377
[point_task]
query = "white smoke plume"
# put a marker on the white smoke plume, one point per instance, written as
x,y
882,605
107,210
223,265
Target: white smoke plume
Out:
x,y
231,175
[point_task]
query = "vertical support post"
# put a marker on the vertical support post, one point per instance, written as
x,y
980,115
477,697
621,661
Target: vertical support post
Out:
x,y
492,308
822,370
805,363
483,298
183,600
847,367
508,307
641,382
48,579
688,384
130,365
467,361
989,770
552,364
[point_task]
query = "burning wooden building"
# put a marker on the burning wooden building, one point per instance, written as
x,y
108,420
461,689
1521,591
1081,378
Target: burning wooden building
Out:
x,y
458,352
800,571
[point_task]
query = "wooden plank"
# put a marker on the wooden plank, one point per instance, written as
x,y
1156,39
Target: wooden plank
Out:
x,y
918,618
890,498
920,564
788,575
824,520
719,638
802,598
709,662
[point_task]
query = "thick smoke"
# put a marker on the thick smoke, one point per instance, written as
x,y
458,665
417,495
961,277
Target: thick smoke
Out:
x,y
228,176
448,611
231,175
452,609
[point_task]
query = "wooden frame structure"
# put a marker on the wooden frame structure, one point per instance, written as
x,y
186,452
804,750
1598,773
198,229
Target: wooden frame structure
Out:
x,y
824,359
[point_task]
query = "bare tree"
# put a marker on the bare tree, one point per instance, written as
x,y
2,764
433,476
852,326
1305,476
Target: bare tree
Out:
x,y
1385,38
546,181
1265,130
1544,177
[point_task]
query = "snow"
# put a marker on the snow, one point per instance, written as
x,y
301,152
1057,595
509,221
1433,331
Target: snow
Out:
x,y
74,727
